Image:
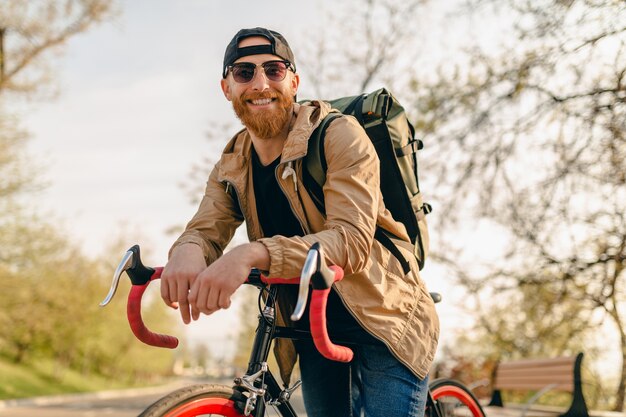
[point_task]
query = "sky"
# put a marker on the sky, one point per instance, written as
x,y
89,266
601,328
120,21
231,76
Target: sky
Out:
x,y
137,98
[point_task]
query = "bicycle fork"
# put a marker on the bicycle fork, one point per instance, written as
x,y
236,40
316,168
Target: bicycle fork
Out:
x,y
258,384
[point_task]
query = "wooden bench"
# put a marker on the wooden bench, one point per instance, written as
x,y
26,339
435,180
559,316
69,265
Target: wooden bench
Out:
x,y
541,376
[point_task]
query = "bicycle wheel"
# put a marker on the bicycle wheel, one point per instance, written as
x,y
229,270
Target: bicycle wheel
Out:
x,y
451,398
193,401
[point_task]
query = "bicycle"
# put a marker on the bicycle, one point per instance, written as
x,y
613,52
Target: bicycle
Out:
x,y
258,389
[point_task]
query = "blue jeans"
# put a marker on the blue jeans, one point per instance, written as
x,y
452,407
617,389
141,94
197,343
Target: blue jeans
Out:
x,y
374,384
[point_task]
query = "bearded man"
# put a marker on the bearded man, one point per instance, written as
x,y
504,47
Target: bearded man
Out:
x,y
259,180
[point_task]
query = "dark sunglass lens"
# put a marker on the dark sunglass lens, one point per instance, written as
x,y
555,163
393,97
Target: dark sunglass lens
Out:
x,y
275,71
243,73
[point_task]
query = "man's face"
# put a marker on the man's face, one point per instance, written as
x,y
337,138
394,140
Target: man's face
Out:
x,y
264,106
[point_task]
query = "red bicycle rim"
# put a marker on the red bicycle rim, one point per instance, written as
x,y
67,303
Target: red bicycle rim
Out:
x,y
218,406
461,395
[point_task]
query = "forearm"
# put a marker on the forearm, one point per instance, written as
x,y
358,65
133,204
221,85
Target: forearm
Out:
x,y
341,247
253,255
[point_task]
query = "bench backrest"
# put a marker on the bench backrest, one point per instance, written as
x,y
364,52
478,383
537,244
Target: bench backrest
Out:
x,y
542,375
536,374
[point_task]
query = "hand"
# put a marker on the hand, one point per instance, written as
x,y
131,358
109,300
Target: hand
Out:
x,y
212,289
186,262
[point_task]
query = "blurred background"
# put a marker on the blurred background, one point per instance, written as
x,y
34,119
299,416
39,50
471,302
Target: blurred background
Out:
x,y
111,117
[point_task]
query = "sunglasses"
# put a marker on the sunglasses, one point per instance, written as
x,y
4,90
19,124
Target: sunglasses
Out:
x,y
244,72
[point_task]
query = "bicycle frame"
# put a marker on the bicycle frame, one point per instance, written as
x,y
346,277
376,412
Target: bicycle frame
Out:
x,y
259,380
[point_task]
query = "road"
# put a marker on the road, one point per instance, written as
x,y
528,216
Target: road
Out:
x,y
112,404
88,407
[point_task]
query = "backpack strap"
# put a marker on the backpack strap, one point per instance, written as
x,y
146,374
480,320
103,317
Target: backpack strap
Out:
x,y
383,236
314,177
315,162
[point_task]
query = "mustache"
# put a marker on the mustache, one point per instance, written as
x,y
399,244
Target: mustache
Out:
x,y
259,95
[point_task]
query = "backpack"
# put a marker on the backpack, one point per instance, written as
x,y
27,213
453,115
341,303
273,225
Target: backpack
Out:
x,y
393,137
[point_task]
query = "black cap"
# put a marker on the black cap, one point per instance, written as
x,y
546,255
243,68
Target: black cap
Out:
x,y
278,46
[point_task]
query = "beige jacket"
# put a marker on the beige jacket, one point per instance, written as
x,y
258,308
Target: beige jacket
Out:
x,y
394,307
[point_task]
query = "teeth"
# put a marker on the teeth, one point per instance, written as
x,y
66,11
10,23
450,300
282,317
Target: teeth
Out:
x,y
261,102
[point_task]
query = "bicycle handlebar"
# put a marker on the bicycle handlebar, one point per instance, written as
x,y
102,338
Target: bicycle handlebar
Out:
x,y
315,271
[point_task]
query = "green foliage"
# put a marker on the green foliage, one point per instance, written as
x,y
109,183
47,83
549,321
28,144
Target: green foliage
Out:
x,y
49,309
14,174
38,378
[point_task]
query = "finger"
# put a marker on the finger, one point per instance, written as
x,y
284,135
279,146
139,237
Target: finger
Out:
x,y
183,304
169,289
173,291
195,313
165,291
193,301
211,301
224,300
203,295
192,297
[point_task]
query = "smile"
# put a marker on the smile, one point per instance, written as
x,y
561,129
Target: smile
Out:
x,y
261,101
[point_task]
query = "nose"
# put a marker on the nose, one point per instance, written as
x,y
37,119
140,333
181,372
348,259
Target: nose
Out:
x,y
259,81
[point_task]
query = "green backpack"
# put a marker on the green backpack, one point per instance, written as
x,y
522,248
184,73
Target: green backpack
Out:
x,y
387,126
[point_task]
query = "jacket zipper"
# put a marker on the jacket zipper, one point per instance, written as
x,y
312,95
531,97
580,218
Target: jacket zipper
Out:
x,y
230,185
305,227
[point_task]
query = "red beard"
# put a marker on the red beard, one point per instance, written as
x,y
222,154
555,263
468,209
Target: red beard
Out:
x,y
268,123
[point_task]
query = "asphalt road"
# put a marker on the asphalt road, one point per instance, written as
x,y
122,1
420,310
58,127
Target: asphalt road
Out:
x,y
112,404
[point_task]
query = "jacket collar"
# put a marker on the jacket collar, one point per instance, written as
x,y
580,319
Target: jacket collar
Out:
x,y
237,153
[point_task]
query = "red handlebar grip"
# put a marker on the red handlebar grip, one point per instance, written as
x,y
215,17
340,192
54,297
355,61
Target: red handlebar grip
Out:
x,y
133,311
317,317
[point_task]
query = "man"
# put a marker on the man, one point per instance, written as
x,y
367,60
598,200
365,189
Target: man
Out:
x,y
260,179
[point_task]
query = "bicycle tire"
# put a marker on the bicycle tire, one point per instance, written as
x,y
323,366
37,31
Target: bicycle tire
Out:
x,y
453,399
195,400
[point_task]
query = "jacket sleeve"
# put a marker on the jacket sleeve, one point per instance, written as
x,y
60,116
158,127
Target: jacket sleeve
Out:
x,y
215,222
352,197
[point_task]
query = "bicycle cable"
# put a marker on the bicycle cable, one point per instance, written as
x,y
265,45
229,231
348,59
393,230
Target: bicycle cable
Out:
x,y
262,308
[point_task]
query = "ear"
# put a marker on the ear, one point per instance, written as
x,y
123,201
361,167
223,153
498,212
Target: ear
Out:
x,y
295,82
226,89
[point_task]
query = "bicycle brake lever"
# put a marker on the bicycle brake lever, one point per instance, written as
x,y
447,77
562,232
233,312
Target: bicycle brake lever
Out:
x,y
125,264
310,266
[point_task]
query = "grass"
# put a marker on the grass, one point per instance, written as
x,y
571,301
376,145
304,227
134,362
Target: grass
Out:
x,y
46,378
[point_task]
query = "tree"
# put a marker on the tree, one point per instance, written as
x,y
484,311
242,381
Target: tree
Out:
x,y
15,178
47,282
531,140
43,293
361,44
30,32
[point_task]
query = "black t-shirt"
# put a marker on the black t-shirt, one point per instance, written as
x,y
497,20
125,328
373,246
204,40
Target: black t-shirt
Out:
x,y
272,206
277,218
